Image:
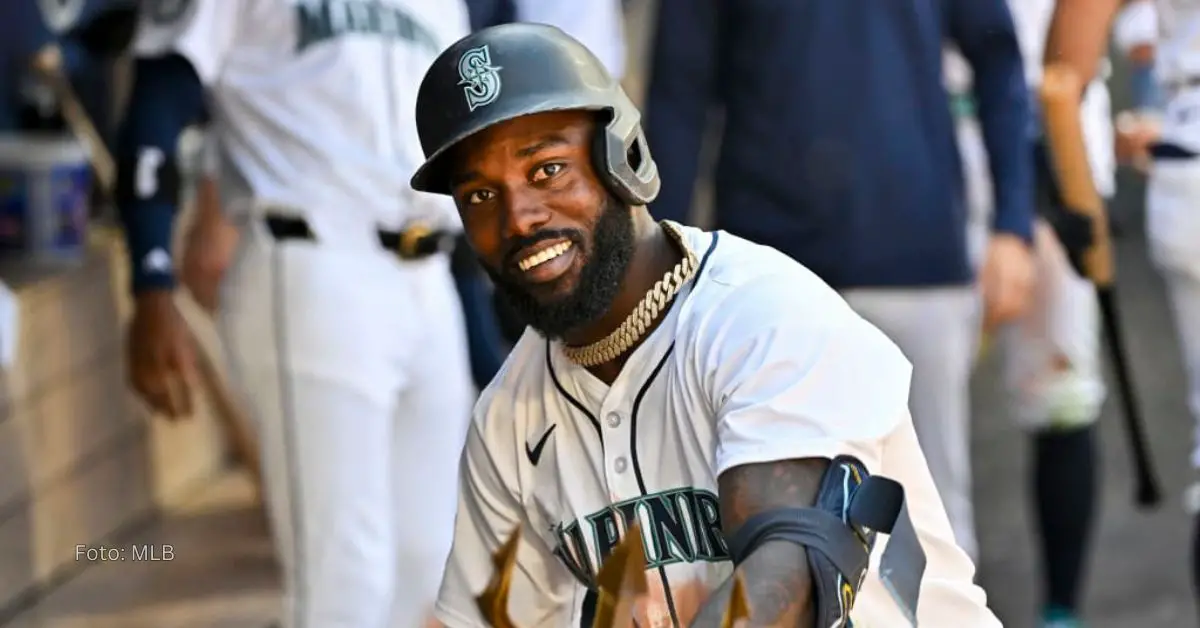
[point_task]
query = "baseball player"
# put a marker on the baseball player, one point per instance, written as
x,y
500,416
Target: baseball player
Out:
x,y
1052,361
338,313
709,390
1172,149
492,327
1052,354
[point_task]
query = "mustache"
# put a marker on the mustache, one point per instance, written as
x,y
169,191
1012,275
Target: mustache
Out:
x,y
515,245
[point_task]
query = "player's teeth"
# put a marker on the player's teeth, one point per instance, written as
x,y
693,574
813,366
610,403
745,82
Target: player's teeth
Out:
x,y
544,256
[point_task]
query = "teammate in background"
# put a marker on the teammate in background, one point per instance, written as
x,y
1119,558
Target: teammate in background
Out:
x,y
1172,149
839,150
491,327
1052,354
701,385
339,313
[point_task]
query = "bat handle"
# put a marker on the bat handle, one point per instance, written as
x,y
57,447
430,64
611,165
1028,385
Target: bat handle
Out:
x,y
1149,494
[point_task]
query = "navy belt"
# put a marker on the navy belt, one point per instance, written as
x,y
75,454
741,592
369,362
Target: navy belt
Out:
x,y
1169,151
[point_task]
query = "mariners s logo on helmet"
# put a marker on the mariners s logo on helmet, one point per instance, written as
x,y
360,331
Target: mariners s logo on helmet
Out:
x,y
480,79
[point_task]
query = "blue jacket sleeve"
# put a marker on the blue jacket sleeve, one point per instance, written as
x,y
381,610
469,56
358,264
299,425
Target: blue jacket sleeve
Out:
x,y
166,98
984,31
682,89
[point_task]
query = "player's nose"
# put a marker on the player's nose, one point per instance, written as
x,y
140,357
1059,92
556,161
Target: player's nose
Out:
x,y
524,215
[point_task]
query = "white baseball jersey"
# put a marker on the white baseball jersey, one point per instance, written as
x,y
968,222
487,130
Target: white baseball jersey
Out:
x,y
353,362
312,100
1177,66
756,361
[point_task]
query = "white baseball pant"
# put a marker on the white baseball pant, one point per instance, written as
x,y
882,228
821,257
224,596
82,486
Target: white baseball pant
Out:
x,y
1173,233
355,366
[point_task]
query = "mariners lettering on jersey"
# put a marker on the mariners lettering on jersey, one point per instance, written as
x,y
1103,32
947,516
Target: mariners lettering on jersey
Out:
x,y
480,79
320,20
679,526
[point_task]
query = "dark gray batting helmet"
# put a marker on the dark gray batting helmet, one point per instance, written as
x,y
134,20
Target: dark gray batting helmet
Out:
x,y
514,70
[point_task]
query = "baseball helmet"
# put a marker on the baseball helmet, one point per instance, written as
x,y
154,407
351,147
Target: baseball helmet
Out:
x,y
514,70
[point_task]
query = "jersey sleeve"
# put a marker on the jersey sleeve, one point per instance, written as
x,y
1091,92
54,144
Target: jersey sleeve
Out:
x,y
797,374
949,596
202,31
489,510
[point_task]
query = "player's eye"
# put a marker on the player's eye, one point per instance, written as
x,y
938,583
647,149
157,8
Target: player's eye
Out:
x,y
479,196
546,171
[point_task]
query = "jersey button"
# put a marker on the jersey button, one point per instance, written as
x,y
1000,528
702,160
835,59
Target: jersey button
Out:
x,y
619,464
614,420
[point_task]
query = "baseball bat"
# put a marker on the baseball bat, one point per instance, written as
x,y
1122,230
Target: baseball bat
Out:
x,y
49,64
1061,96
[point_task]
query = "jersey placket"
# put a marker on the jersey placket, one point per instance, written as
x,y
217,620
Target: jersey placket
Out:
x,y
619,472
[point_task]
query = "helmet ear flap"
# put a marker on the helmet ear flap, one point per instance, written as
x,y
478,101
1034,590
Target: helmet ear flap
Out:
x,y
623,159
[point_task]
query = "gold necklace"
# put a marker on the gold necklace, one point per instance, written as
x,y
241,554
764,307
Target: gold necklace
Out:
x,y
639,321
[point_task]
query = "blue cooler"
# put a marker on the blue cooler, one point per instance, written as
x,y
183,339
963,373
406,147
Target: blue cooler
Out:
x,y
45,184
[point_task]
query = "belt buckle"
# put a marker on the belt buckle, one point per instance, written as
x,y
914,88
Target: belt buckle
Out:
x,y
411,237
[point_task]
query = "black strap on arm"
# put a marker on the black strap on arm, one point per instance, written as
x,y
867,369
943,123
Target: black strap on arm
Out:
x,y
839,533
803,526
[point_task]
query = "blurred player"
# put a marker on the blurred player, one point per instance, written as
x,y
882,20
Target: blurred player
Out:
x,y
338,312
1171,150
1052,354
838,149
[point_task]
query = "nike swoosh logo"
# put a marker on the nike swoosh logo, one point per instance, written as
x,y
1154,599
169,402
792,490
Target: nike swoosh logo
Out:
x,y
535,452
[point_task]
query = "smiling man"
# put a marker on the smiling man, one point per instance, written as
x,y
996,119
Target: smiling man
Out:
x,y
709,389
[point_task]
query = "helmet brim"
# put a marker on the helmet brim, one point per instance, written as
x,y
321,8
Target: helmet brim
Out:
x,y
433,176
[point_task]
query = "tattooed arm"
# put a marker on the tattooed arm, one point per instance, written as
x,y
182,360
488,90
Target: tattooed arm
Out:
x,y
784,372
778,584
795,379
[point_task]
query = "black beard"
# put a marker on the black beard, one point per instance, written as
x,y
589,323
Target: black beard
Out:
x,y
599,279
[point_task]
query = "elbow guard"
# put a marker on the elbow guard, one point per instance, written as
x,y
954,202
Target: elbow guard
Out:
x,y
166,98
838,533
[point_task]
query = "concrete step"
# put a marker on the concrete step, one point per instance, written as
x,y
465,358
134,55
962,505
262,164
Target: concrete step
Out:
x,y
207,564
